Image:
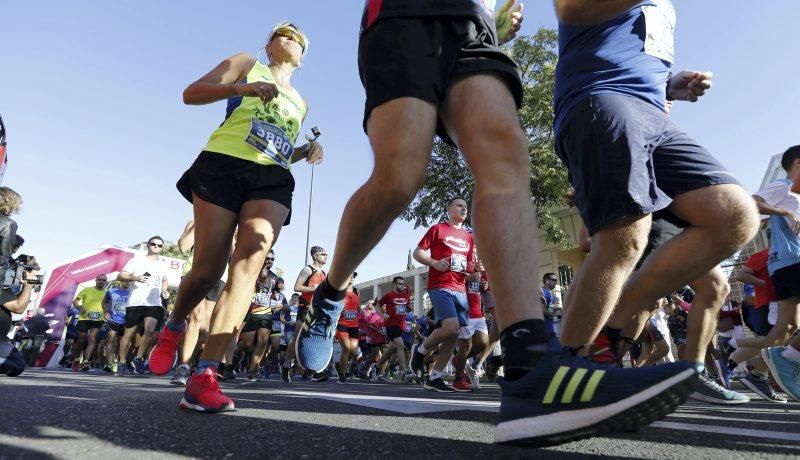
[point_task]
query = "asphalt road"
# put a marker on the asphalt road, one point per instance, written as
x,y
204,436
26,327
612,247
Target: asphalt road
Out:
x,y
60,414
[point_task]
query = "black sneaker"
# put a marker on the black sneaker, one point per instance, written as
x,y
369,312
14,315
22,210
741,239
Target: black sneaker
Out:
x,y
137,366
760,385
565,398
437,385
228,373
285,374
417,361
342,378
320,376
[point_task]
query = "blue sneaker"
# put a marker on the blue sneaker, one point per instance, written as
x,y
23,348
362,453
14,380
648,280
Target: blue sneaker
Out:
x,y
786,373
565,398
314,345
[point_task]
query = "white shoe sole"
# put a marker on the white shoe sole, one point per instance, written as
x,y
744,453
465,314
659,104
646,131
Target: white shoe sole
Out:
x,y
697,396
187,405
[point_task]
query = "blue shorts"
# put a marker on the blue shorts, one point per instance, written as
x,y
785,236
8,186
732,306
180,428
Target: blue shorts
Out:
x,y
626,158
448,303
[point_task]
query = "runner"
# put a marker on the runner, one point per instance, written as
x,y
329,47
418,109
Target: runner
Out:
x,y
377,339
279,304
90,304
473,339
115,303
71,334
782,205
309,278
347,333
289,321
258,322
478,110
198,321
242,178
396,304
450,258
149,276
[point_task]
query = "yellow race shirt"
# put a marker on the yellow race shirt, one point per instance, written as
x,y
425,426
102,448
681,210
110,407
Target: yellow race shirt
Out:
x,y
92,304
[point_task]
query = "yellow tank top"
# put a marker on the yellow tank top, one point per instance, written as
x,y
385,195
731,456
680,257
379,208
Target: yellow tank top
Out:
x,y
259,132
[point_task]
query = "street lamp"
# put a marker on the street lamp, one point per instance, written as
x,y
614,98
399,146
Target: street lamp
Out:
x,y
315,133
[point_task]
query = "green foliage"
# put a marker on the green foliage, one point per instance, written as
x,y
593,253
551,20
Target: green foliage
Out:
x,y
172,250
448,175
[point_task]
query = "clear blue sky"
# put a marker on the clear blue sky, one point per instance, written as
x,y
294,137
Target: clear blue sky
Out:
x,y
98,134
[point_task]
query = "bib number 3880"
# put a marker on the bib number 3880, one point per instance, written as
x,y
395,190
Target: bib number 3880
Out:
x,y
270,141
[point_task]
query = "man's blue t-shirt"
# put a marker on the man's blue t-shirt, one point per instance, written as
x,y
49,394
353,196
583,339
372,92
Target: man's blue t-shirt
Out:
x,y
408,336
785,245
117,300
422,326
630,55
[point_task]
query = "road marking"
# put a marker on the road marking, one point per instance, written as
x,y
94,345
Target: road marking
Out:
x,y
76,398
729,431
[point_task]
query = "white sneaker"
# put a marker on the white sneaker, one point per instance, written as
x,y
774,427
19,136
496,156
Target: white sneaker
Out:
x,y
474,380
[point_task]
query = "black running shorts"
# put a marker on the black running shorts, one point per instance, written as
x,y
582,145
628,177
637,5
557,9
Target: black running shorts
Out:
x,y
393,332
786,282
422,57
85,325
136,315
256,322
229,182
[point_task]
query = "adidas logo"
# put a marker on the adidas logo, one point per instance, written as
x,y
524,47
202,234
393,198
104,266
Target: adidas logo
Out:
x,y
579,379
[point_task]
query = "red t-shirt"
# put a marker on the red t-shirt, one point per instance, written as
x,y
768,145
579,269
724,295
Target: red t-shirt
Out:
x,y
396,307
758,263
474,298
363,323
349,316
374,337
455,244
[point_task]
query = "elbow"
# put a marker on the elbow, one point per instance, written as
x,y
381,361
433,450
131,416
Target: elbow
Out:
x,y
188,97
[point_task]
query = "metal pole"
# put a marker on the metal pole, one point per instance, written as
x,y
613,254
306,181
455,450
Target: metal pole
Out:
x,y
310,197
315,133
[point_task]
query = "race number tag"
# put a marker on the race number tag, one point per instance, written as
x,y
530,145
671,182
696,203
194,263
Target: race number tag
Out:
x,y
350,315
400,309
458,263
94,315
407,329
270,141
276,326
659,38
261,299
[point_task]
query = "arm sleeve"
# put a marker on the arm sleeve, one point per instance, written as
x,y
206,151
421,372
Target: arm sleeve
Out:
x,y
427,241
774,193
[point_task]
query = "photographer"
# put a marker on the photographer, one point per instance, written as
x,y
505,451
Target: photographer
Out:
x,y
10,203
12,362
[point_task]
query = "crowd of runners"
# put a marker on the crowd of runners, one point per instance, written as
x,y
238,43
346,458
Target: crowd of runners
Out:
x,y
660,213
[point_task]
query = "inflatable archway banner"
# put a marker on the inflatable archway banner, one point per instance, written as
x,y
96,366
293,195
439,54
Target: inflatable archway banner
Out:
x,y
62,285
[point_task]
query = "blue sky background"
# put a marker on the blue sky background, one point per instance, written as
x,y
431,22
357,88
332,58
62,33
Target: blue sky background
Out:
x,y
98,134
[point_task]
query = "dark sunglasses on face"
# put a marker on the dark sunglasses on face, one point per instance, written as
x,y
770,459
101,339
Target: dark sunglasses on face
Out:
x,y
156,245
553,280
270,259
292,35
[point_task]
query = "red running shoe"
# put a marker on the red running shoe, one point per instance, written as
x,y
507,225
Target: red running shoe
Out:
x,y
76,366
203,394
164,355
462,385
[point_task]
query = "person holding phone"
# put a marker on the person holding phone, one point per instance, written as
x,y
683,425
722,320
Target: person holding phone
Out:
x,y
243,179
148,273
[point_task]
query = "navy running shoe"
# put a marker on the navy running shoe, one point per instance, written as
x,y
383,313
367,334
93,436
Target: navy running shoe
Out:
x,y
565,398
314,345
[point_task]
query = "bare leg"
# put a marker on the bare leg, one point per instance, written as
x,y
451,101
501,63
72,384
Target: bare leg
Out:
x,y
260,223
386,193
722,217
125,343
711,289
262,342
463,347
147,337
481,117
786,325
197,323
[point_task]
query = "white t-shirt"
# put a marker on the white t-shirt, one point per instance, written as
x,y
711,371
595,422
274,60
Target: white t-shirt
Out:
x,y
146,294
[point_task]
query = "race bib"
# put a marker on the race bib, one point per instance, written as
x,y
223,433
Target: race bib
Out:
x,y
276,326
261,299
400,309
350,315
659,38
407,329
270,141
458,263
94,315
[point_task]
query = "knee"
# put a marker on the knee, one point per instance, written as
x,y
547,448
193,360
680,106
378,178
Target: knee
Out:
x,y
716,287
510,167
450,329
205,278
394,190
624,241
739,221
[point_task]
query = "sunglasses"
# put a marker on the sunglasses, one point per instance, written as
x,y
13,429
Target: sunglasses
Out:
x,y
271,259
291,34
553,280
323,254
156,245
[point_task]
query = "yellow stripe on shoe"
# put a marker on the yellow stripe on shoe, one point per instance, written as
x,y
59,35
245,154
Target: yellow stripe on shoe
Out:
x,y
591,385
572,386
554,384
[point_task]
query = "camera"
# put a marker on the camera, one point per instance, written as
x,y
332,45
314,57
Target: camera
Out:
x,y
15,270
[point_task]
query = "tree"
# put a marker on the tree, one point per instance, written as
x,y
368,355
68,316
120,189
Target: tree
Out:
x,y
410,263
172,250
448,175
